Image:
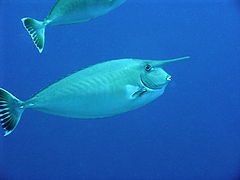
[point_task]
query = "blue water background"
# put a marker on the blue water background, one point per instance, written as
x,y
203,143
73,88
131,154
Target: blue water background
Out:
x,y
192,132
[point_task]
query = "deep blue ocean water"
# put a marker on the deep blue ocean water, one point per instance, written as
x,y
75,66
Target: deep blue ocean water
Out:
x,y
192,132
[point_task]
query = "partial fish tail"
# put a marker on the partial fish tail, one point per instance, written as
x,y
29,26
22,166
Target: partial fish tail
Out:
x,y
36,30
11,110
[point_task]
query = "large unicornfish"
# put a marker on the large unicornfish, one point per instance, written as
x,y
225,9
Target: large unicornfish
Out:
x,y
68,12
99,91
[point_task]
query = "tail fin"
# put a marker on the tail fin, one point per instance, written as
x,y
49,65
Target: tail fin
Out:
x,y
11,110
36,30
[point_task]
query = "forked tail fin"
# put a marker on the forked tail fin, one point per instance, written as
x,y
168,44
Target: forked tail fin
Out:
x,y
11,110
36,30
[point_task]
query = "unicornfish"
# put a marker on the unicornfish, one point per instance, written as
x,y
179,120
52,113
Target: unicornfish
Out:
x,y
102,90
68,12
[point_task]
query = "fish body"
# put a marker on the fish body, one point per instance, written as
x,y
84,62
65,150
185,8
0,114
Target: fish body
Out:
x,y
102,90
78,11
68,12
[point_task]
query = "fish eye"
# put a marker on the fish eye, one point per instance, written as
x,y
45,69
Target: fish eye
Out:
x,y
148,67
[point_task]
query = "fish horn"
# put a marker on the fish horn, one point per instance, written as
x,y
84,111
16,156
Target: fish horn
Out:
x,y
163,62
11,110
36,30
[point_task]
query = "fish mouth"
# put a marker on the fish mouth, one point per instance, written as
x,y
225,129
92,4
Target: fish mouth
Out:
x,y
169,78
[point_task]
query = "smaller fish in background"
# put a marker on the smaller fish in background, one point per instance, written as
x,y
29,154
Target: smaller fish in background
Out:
x,y
68,12
102,90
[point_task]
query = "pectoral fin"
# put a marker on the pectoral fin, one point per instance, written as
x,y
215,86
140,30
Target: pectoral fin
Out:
x,y
139,93
135,91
